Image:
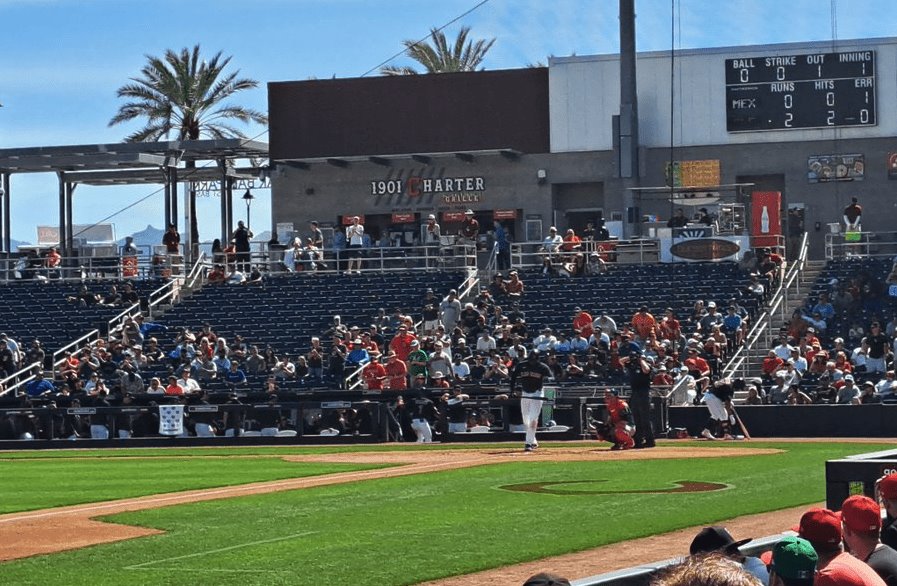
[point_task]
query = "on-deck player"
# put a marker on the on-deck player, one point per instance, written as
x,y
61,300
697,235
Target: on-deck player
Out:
x,y
532,374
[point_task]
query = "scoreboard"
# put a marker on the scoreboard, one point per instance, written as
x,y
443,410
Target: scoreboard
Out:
x,y
819,90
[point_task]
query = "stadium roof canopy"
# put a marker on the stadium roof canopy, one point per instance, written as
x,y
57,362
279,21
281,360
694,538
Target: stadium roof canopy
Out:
x,y
130,164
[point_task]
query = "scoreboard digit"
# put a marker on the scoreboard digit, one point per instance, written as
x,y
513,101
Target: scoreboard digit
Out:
x,y
820,90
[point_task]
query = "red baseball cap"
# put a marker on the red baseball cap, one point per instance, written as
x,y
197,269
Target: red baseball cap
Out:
x,y
822,528
887,488
861,513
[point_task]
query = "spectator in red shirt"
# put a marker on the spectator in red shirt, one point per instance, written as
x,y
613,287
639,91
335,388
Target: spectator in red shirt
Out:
x,y
772,364
396,372
697,366
401,343
374,374
582,323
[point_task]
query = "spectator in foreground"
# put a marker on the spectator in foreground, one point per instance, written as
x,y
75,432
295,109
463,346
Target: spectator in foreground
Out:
x,y
793,563
546,579
886,491
822,528
719,540
861,524
713,569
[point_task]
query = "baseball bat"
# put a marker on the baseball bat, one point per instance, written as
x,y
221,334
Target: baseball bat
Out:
x,y
741,424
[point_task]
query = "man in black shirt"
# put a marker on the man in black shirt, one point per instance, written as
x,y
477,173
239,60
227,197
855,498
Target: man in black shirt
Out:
x,y
422,413
640,400
532,374
878,349
241,237
455,411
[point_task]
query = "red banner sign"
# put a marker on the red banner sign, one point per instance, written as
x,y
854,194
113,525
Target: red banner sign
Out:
x,y
347,220
766,218
504,215
452,216
403,218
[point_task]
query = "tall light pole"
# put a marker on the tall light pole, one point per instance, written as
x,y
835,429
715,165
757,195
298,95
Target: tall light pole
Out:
x,y
248,197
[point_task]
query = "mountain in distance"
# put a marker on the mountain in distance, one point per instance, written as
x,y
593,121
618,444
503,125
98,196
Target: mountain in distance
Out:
x,y
149,236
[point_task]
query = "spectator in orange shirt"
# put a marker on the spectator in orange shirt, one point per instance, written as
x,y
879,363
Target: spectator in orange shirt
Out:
x,y
374,374
572,242
173,387
582,323
396,372
643,322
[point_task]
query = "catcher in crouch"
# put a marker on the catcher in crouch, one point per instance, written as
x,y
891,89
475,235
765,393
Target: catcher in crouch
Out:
x,y
619,426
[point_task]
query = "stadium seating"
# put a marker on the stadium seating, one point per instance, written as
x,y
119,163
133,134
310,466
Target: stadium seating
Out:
x,y
38,309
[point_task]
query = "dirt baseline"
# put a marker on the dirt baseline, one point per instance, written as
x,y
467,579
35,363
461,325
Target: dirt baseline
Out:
x,y
65,528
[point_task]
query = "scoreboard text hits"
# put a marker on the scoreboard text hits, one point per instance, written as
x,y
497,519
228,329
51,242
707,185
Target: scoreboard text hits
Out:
x,y
800,91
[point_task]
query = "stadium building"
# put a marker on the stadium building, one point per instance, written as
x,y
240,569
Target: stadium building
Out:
x,y
751,133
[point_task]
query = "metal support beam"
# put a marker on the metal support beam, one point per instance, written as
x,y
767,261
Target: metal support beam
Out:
x,y
69,204
62,215
173,173
627,140
167,197
226,208
7,234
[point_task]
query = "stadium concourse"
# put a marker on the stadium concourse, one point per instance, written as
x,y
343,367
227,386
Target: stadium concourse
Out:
x,y
315,355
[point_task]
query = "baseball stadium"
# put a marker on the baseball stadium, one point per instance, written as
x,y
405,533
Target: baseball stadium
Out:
x,y
589,319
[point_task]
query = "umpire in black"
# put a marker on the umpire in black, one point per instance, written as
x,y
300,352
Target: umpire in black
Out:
x,y
640,399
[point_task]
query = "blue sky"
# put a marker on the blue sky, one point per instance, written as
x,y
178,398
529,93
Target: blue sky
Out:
x,y
62,61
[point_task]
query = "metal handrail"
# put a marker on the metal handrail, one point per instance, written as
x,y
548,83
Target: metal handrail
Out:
x,y
869,244
196,272
168,291
763,325
92,336
354,380
32,368
379,259
118,322
531,254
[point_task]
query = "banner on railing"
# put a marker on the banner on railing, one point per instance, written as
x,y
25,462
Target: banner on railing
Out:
x,y
171,419
129,266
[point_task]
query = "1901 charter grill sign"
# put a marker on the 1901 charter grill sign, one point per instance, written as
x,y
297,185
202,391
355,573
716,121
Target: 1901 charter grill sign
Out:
x,y
449,189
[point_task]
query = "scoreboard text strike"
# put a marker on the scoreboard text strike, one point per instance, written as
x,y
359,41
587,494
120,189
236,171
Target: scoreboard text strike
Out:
x,y
800,91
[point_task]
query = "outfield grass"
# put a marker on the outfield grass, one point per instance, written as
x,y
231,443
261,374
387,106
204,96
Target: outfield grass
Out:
x,y
408,529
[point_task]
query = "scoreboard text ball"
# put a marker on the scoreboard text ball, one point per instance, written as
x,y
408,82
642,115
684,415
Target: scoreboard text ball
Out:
x,y
800,91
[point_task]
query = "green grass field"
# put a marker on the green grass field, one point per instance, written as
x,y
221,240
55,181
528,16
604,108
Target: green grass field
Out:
x,y
400,530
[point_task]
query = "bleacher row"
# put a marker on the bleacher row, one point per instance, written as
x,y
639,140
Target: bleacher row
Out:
x,y
868,274
39,310
550,301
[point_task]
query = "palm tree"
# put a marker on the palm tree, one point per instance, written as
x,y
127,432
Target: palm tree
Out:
x,y
464,55
181,98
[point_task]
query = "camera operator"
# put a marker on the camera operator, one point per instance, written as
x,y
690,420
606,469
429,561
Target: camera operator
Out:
x,y
640,399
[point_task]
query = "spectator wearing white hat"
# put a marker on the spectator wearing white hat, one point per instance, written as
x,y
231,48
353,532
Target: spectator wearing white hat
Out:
x,y
849,394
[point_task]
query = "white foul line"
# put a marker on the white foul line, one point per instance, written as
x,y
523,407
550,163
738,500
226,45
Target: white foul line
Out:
x,y
223,549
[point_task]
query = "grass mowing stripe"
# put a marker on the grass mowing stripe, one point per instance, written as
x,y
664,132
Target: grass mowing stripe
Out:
x,y
409,529
36,484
